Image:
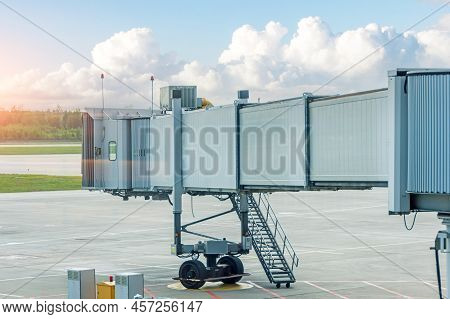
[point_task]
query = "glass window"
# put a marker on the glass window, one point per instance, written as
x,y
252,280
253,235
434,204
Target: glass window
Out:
x,y
112,147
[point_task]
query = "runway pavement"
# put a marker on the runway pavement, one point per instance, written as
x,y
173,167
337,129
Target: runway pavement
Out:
x,y
348,245
57,164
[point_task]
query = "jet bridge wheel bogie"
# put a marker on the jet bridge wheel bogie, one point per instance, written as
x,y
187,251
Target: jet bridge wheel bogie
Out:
x,y
192,274
235,267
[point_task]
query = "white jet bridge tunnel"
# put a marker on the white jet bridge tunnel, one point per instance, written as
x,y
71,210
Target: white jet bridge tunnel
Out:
x,y
397,136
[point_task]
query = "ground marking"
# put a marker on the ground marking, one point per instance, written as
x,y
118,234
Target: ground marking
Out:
x,y
30,277
149,293
8,295
363,247
150,266
156,285
435,286
213,295
388,290
47,296
102,273
270,292
326,290
81,236
352,208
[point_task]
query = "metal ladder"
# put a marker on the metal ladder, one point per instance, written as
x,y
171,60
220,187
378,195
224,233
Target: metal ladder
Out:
x,y
270,242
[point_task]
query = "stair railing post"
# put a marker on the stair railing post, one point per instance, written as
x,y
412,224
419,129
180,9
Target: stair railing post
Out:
x,y
276,227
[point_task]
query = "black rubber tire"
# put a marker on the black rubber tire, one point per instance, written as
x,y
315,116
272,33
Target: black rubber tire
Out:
x,y
192,269
288,285
236,267
278,285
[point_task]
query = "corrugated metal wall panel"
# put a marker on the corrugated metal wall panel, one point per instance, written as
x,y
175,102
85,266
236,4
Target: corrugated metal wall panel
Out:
x,y
272,144
429,133
99,153
349,138
209,148
87,159
140,138
161,152
124,154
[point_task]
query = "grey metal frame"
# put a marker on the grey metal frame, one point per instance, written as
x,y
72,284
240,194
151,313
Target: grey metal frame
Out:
x,y
178,248
400,200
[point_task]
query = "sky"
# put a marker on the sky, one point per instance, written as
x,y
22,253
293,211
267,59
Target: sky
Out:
x,y
276,49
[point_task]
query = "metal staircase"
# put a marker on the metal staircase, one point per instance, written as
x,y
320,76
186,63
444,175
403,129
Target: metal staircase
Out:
x,y
270,242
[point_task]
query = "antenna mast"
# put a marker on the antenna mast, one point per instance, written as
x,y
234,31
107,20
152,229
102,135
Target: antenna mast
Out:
x,y
152,78
103,96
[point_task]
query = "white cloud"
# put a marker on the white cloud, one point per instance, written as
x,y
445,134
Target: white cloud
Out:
x,y
314,54
435,43
265,61
207,79
247,42
130,56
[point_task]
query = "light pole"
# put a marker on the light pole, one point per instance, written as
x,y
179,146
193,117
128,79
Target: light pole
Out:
x,y
152,78
103,97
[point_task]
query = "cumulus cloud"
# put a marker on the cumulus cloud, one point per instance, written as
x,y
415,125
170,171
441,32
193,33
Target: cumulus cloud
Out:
x,y
247,42
265,61
130,56
207,79
278,67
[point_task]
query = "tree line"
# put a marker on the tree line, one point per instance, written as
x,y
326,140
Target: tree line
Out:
x,y
21,125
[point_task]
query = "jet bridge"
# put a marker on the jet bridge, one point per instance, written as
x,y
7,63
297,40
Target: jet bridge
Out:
x,y
419,152
297,144
353,141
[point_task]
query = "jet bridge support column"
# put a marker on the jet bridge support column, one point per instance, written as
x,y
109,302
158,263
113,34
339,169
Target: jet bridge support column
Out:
x,y
177,193
246,239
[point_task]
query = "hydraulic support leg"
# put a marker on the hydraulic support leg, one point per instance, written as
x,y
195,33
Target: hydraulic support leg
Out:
x,y
246,240
177,191
211,261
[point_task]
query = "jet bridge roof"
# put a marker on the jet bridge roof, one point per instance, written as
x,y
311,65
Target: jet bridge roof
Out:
x,y
117,113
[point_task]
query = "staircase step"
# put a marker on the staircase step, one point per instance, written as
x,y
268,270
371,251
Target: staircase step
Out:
x,y
277,271
281,276
269,251
270,254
